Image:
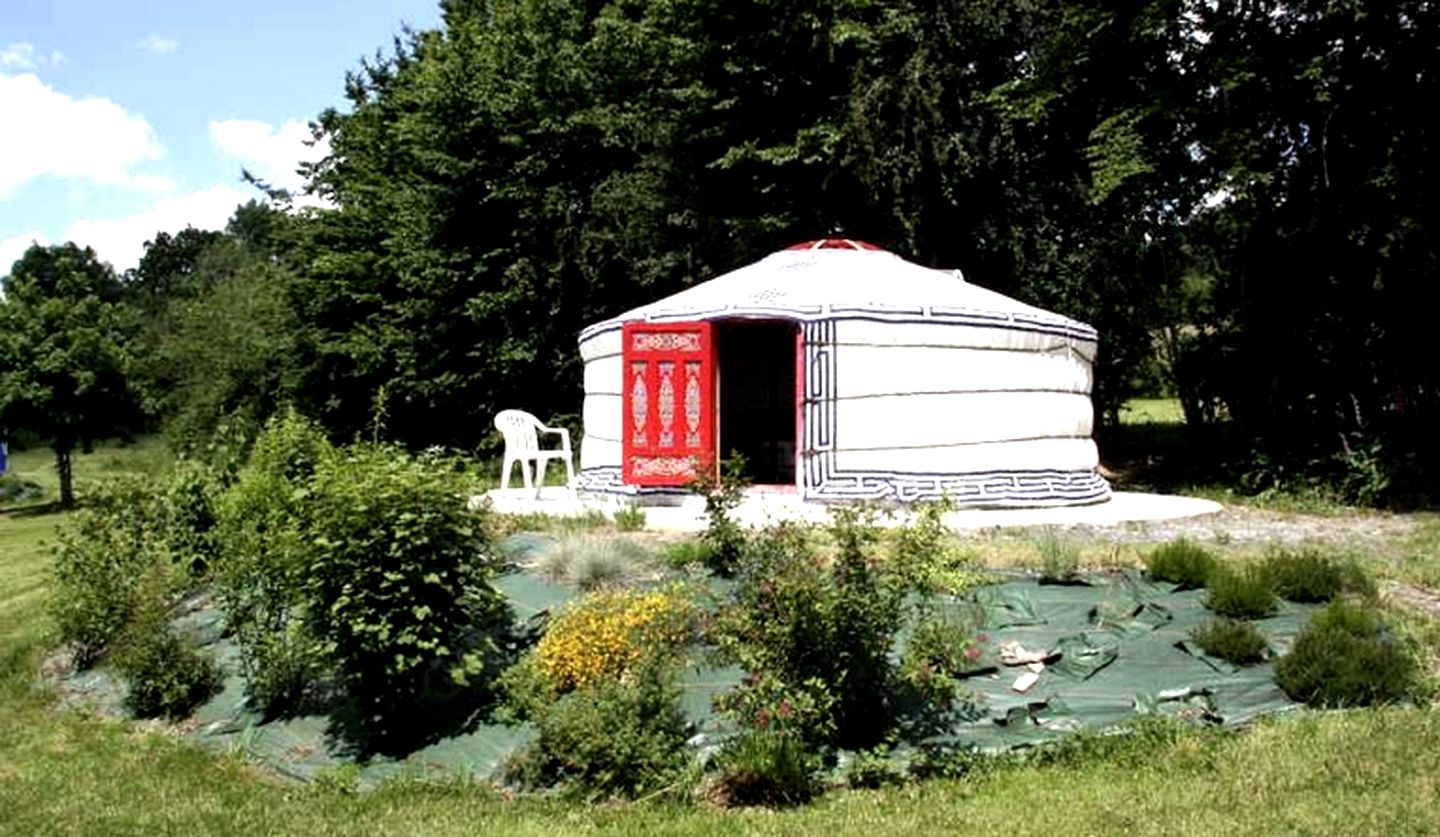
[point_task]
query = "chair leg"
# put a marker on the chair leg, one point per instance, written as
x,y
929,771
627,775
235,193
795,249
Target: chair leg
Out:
x,y
505,470
540,465
525,473
569,475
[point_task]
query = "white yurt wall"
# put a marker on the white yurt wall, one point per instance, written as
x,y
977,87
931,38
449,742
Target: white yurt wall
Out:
x,y
982,414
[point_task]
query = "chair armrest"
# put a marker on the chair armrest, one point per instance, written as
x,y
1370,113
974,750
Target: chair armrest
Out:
x,y
561,432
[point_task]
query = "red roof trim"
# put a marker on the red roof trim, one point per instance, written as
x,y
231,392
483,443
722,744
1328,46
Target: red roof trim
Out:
x,y
834,244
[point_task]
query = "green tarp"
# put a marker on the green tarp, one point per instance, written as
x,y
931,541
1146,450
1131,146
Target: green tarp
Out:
x,y
1114,646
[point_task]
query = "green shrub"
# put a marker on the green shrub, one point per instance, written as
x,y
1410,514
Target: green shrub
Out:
x,y
1182,562
682,555
925,557
166,676
395,582
1236,641
724,538
1059,560
630,519
767,768
1348,656
941,649
611,739
101,556
262,529
130,528
1311,576
189,517
14,490
806,623
873,769
1240,594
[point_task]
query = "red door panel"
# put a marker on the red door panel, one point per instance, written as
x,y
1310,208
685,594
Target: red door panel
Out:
x,y
669,402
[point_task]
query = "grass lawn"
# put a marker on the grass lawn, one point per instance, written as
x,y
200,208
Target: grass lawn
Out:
x,y
65,772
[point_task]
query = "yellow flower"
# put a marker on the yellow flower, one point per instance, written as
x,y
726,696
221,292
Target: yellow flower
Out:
x,y
606,634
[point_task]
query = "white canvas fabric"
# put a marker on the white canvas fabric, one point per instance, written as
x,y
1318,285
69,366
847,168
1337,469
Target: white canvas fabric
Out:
x,y
918,384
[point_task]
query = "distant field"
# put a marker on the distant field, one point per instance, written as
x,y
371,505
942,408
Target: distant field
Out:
x,y
1152,411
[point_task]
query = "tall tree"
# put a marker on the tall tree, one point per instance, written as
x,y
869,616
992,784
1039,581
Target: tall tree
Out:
x,y
64,356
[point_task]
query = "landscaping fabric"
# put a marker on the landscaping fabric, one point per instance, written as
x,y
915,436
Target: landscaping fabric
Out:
x,y
1114,646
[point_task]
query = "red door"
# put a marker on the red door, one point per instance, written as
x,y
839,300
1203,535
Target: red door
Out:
x,y
669,402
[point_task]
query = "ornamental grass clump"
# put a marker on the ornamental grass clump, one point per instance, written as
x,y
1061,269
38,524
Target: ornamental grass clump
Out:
x,y
1240,593
1181,562
1059,560
1312,576
1348,656
590,561
1232,640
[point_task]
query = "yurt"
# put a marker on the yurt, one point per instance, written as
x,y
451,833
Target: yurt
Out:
x,y
841,371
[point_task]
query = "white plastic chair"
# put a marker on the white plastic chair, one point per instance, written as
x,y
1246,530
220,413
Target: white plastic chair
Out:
x,y
522,445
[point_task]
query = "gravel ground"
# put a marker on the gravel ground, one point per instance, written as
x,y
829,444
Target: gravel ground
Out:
x,y
1245,526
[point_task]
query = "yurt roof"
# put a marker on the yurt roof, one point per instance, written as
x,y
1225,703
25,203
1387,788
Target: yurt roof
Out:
x,y
843,277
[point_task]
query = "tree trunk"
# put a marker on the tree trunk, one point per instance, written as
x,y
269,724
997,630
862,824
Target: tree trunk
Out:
x,y
67,483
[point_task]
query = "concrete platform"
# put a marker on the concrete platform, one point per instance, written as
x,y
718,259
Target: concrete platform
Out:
x,y
760,508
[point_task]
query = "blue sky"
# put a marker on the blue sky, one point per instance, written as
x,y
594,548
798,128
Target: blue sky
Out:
x,y
122,118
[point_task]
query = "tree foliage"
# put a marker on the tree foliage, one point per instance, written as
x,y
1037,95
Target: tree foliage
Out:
x,y
65,353
1238,196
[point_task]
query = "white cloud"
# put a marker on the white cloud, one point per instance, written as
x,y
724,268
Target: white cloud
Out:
x,y
21,56
18,56
159,44
271,154
11,249
82,139
121,241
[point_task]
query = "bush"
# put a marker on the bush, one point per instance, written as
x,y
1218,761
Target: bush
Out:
x,y
101,557
806,623
131,528
395,581
941,649
1240,594
189,517
630,519
1236,641
261,527
1348,656
873,769
167,676
925,557
359,570
682,555
616,736
14,491
608,634
724,539
1182,562
767,768
1311,576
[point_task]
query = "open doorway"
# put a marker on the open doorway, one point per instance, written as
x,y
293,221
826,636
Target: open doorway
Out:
x,y
757,416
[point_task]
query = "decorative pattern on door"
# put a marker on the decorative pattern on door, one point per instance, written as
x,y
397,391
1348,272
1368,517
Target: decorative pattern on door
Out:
x,y
669,402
